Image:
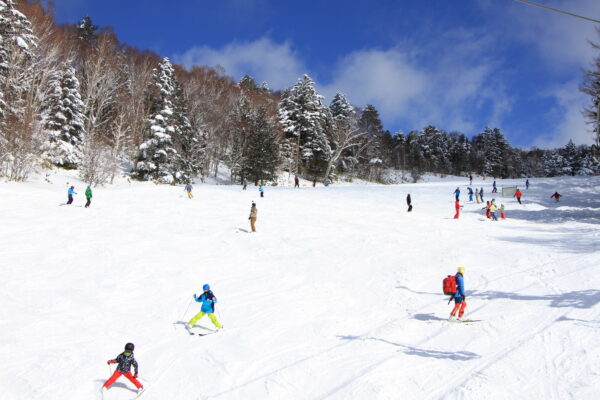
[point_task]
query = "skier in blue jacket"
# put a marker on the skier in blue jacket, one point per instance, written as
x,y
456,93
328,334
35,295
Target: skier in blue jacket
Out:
x,y
457,193
470,193
460,298
208,301
70,194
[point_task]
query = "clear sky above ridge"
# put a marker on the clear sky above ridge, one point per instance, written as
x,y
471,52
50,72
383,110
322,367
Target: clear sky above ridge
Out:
x,y
459,65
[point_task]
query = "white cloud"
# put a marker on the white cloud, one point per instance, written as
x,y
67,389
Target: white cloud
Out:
x,y
263,59
571,125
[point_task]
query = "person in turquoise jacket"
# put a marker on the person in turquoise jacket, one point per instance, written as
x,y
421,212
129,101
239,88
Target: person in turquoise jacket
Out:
x,y
70,194
208,300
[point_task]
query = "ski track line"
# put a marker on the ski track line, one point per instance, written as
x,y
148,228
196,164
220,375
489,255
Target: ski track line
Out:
x,y
461,379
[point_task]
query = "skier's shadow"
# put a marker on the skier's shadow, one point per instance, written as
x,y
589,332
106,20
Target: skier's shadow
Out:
x,y
116,384
428,317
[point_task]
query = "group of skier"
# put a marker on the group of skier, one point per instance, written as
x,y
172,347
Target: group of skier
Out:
x,y
88,195
126,361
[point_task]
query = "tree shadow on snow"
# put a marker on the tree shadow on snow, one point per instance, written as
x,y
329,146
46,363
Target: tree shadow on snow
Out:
x,y
416,351
570,241
581,299
416,291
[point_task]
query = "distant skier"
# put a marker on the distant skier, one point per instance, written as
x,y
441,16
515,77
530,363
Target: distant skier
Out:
x,y
488,210
261,189
502,216
296,181
88,196
527,183
409,203
481,194
188,189
252,217
494,189
477,195
208,300
493,209
556,196
457,207
460,299
457,193
470,190
518,195
470,180
70,194
125,361
315,182
245,185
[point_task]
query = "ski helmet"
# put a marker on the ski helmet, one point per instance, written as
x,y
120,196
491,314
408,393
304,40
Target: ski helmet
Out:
x,y
206,286
129,347
461,270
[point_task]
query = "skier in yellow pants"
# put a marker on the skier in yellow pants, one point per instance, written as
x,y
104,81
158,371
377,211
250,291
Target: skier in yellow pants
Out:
x,y
208,301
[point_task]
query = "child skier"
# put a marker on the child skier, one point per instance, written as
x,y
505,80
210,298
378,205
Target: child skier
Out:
x,y
457,206
502,211
487,209
460,298
208,301
125,361
493,209
481,194
494,189
409,202
70,194
470,190
88,196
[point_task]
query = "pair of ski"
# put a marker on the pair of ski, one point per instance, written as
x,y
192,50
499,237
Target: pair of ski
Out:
x,y
463,321
205,332
137,396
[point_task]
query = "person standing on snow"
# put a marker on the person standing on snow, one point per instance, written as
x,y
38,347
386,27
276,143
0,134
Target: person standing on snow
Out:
x,y
296,181
88,196
518,195
481,194
556,196
527,183
208,300
409,202
487,209
470,190
70,194
457,193
493,209
494,189
252,217
502,211
261,189
477,195
125,361
460,298
457,206
470,180
188,189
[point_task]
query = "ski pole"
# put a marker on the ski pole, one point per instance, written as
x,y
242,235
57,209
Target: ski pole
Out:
x,y
186,310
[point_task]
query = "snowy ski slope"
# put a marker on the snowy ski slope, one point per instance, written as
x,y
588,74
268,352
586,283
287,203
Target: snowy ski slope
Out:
x,y
337,296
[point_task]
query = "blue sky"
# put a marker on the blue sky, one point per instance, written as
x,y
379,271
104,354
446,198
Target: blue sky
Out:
x,y
459,64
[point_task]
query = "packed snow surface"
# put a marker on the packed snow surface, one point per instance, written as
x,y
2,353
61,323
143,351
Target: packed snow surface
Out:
x,y
337,296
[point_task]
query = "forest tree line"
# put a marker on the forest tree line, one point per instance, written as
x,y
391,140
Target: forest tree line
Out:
x,y
75,97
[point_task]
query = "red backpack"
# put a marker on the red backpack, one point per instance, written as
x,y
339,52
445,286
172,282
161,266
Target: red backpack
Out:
x,y
449,285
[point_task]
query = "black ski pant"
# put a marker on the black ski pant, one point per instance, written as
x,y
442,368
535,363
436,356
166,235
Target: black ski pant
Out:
x,y
70,199
89,201
409,207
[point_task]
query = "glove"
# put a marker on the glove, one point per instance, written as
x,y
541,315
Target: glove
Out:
x,y
110,362
135,376
194,295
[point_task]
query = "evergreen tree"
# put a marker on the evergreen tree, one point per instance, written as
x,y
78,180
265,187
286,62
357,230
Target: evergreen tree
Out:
x,y
86,30
63,117
158,158
492,149
571,157
553,163
591,87
304,118
263,152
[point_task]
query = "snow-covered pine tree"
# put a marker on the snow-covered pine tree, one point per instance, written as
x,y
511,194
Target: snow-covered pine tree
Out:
x,y
553,163
19,139
260,164
571,156
304,118
492,148
63,117
158,158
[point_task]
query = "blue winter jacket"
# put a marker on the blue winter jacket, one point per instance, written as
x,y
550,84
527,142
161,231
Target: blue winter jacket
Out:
x,y
260,189
71,191
208,301
457,192
460,286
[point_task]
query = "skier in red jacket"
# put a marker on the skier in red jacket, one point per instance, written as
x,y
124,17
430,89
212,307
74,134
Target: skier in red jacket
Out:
x,y
457,206
518,195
